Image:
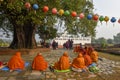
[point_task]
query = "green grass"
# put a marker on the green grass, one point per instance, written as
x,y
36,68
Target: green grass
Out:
x,y
110,56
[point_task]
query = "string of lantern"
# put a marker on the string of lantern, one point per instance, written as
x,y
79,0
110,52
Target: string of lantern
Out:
x,y
61,12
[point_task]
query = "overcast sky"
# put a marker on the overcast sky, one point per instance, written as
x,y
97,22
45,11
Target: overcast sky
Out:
x,y
110,8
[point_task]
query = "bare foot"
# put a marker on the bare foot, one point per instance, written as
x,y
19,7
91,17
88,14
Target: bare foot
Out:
x,y
11,70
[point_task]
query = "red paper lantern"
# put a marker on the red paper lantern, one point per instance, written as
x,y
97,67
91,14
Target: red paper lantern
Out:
x,y
95,17
74,14
45,8
27,5
81,15
119,21
54,11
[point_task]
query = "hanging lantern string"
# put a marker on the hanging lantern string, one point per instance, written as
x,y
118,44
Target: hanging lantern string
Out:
x,y
73,14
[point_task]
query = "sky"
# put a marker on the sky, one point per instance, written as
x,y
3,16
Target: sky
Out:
x,y
108,8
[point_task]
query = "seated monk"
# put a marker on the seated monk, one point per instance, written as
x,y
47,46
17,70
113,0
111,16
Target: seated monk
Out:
x,y
39,63
79,63
87,58
16,62
94,56
63,63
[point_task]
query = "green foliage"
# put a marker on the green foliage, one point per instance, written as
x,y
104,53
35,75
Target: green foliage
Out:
x,y
117,39
16,13
46,32
100,41
110,41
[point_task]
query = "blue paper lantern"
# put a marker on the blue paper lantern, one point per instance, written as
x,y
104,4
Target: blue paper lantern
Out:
x,y
89,16
35,6
113,19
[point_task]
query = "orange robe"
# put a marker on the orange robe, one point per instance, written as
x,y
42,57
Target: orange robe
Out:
x,y
94,56
63,62
39,63
16,62
87,59
79,62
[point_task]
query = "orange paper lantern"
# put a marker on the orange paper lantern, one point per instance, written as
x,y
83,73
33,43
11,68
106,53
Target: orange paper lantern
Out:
x,y
45,8
74,14
95,17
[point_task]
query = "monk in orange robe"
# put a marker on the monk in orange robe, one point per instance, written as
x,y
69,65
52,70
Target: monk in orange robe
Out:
x,y
87,58
90,49
79,62
94,56
63,63
39,63
16,62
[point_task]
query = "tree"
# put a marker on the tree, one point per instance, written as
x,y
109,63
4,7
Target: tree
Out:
x,y
47,32
117,39
102,41
109,41
25,20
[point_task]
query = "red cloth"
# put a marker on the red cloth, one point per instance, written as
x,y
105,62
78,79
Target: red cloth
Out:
x,y
1,63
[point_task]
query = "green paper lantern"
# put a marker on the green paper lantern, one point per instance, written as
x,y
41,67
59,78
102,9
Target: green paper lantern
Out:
x,y
101,18
66,13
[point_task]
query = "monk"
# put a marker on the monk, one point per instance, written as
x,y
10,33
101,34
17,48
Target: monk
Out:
x,y
78,62
39,63
63,63
94,56
87,58
16,62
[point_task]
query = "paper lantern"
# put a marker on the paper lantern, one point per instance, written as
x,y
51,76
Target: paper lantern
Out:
x,y
61,12
81,15
95,17
106,19
73,14
66,13
89,16
45,8
54,11
101,18
35,6
27,5
119,21
113,19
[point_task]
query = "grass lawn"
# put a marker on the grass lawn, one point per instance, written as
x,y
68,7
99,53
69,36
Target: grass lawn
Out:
x,y
109,56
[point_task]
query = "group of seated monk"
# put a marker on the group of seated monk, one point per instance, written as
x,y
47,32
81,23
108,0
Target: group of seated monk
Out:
x,y
81,62
87,51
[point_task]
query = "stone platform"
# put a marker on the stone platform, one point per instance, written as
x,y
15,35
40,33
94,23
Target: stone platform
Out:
x,y
109,70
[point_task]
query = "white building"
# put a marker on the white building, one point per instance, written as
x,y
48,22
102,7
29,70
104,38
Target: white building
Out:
x,y
77,39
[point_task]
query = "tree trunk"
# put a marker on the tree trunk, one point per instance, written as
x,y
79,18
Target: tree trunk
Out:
x,y
24,36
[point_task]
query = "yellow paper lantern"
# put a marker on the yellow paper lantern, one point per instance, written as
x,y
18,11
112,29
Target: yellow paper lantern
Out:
x,y
61,12
106,19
